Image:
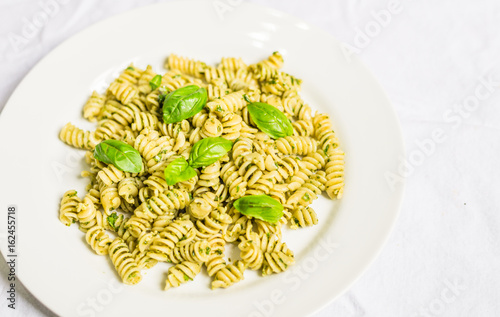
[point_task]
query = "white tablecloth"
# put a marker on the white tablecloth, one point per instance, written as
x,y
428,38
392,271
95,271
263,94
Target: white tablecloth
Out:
x,y
438,62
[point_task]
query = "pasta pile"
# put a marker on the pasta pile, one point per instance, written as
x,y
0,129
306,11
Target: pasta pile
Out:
x,y
139,220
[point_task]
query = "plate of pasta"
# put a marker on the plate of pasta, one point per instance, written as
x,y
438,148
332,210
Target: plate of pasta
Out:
x,y
238,171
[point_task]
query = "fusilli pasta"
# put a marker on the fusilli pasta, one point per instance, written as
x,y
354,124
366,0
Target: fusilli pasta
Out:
x,y
138,219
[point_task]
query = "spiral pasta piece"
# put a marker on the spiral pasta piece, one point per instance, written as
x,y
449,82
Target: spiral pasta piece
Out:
x,y
143,120
296,145
182,273
143,260
299,178
217,91
98,240
162,221
128,207
154,207
324,133
302,128
162,247
265,73
251,173
286,167
247,131
335,173
124,92
174,199
215,264
152,101
212,73
171,82
273,100
212,128
251,254
179,133
202,205
230,274
124,114
93,106
232,63
209,176
244,80
185,65
156,182
239,226
303,217
309,191
88,215
111,175
138,103
196,252
130,75
68,210
217,244
110,199
119,227
77,137
275,60
236,183
315,160
277,255
213,224
295,106
124,262
108,129
95,196
241,149
266,228
263,186
231,126
276,262
173,129
128,189
232,102
153,149
110,106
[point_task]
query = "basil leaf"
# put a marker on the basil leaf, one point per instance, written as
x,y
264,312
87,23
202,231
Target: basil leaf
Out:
x,y
178,171
120,154
208,151
112,219
270,120
155,82
184,103
261,207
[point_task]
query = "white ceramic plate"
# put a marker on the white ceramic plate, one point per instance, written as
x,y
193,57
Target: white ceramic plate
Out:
x,y
55,263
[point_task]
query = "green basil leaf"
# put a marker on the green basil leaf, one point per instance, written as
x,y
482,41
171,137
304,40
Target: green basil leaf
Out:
x,y
178,171
270,120
261,207
208,151
184,103
155,82
120,154
112,219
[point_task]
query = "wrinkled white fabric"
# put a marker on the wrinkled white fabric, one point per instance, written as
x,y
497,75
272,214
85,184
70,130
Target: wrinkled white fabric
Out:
x,y
438,61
